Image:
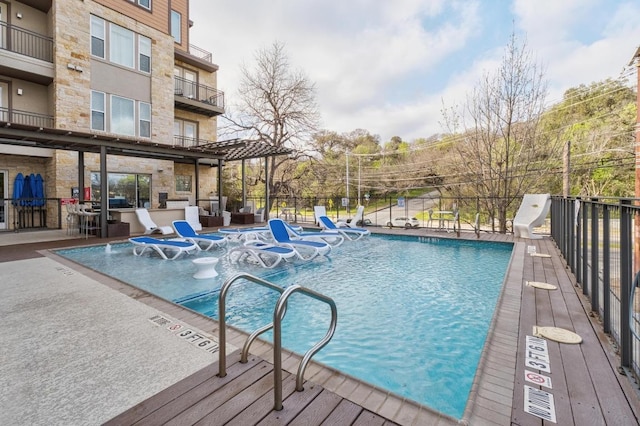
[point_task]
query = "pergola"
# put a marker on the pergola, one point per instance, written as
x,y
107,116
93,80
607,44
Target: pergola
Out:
x,y
211,154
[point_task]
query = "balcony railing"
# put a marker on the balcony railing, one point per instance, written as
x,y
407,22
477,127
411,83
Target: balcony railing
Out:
x,y
25,42
200,53
189,142
596,238
198,97
25,117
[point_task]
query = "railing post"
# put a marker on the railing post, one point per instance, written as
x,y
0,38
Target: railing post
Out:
x,y
606,269
625,283
595,256
572,235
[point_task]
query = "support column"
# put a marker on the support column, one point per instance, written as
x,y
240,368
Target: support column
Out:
x,y
104,192
636,244
244,187
267,196
81,176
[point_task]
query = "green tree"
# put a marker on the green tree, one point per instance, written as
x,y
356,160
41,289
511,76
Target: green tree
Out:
x,y
599,120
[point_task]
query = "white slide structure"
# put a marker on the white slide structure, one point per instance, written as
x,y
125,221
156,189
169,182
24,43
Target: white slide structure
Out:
x,y
532,212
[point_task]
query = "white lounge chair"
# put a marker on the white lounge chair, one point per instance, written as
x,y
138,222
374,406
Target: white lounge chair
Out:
x,y
204,242
258,216
305,250
347,232
264,254
192,215
167,249
317,212
532,212
354,222
246,234
149,226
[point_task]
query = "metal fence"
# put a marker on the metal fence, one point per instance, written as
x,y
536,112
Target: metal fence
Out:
x,y
381,211
30,213
596,237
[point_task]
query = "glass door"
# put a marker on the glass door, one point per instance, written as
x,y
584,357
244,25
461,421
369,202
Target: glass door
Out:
x,y
3,25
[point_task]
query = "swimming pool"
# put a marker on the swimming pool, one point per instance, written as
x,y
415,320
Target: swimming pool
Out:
x,y
413,313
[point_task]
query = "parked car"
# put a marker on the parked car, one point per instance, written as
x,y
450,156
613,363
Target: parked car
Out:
x,y
404,222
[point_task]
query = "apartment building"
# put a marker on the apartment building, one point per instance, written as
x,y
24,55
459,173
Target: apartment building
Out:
x,y
106,97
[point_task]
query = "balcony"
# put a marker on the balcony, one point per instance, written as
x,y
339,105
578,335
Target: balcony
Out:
x,y
26,118
198,98
197,57
25,42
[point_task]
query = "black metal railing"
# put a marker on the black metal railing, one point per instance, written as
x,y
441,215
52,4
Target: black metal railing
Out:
x,y
26,117
200,53
596,237
199,92
25,42
381,211
30,213
189,142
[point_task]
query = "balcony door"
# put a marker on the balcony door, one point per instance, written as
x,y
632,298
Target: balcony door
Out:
x,y
4,101
188,82
4,15
185,133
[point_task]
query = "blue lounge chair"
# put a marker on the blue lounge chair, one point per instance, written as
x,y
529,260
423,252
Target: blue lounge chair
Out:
x,y
332,238
347,232
162,247
264,254
305,250
204,242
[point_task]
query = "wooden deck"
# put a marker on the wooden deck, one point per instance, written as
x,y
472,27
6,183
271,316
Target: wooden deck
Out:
x,y
245,397
587,388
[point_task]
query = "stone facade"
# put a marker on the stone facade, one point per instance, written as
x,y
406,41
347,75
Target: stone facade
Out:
x,y
68,99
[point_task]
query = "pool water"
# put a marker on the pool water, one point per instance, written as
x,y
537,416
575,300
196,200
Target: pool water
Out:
x,y
413,313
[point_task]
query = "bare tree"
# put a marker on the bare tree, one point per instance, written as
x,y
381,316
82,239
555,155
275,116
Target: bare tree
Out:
x,y
277,106
497,137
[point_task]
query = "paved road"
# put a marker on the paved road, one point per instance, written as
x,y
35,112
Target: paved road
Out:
x,y
412,208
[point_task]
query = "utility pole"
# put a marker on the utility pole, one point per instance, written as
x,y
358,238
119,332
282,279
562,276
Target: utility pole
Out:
x,y
566,170
347,157
636,248
359,201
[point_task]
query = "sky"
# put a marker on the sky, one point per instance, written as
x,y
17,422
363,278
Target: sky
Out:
x,y
389,67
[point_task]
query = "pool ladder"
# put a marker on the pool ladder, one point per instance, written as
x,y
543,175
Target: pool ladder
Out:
x,y
278,314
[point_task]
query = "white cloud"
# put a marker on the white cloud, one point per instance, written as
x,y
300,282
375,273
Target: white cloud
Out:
x,y
386,66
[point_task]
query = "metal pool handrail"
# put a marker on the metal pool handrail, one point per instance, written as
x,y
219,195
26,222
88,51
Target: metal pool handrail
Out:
x,y
278,314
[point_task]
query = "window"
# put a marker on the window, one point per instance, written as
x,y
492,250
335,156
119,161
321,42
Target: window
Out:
x,y
144,53
122,116
122,119
145,3
125,189
185,133
176,26
121,47
97,110
145,120
97,37
183,183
